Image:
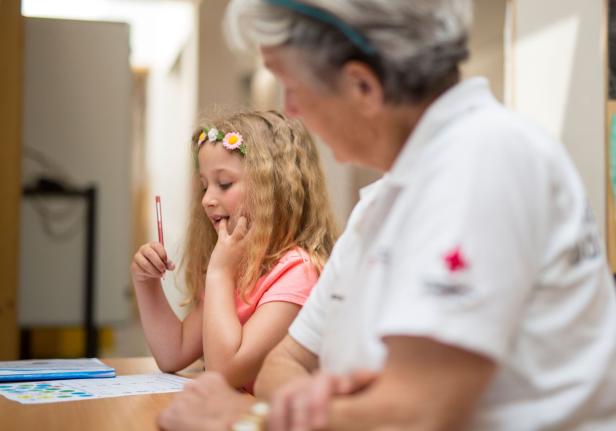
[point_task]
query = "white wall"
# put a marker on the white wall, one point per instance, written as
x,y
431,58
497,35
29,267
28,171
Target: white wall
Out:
x,y
558,79
171,110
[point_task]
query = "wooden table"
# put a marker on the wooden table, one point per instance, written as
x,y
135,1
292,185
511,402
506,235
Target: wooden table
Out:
x,y
136,412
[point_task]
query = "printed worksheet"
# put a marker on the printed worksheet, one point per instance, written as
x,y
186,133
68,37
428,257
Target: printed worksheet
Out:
x,y
53,391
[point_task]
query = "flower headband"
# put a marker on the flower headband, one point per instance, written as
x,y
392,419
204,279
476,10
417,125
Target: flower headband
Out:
x,y
231,141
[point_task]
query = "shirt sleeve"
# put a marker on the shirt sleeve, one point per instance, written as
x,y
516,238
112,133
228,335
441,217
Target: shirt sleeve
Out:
x,y
466,252
307,328
309,325
293,282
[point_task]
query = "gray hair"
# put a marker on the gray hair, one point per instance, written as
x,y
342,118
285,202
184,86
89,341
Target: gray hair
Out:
x,y
419,44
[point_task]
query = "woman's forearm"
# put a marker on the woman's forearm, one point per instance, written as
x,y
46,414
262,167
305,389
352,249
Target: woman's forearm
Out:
x,y
288,361
424,385
376,408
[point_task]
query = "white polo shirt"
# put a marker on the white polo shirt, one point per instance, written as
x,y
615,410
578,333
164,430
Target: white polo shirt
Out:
x,y
479,237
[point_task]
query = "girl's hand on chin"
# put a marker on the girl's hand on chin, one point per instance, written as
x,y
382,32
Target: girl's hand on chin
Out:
x,y
229,249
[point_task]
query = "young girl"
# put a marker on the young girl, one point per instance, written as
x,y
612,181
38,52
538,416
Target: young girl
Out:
x,y
261,229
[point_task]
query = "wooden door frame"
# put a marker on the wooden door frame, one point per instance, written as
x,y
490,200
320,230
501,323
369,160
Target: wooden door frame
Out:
x,y
610,110
11,104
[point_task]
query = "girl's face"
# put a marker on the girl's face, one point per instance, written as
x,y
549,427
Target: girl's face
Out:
x,y
223,178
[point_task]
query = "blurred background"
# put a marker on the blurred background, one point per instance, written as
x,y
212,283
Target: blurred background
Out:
x,y
97,106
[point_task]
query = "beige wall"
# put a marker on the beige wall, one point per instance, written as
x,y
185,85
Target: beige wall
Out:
x,y
66,98
558,79
487,44
220,71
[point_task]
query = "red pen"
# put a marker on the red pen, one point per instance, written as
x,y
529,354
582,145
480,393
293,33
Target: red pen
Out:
x,y
159,221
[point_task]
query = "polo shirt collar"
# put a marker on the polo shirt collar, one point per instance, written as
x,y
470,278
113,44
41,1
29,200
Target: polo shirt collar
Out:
x,y
464,97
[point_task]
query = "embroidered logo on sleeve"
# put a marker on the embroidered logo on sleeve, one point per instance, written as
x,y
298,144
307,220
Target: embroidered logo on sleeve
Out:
x,y
588,246
452,283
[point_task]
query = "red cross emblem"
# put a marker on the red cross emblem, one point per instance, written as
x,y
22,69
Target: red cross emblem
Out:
x,y
455,261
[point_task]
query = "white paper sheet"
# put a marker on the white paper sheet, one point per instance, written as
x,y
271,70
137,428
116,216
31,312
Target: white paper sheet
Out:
x,y
53,391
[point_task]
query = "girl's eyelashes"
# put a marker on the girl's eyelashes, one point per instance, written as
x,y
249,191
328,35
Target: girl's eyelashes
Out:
x,y
221,186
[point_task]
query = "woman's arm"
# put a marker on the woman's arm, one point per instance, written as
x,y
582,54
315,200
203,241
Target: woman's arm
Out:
x,y
174,344
288,361
425,385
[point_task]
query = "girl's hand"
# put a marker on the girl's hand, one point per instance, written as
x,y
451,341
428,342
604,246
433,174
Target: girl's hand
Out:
x,y
229,249
150,262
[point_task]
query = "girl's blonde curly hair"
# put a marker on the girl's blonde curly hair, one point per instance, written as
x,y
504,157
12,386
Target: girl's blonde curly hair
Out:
x,y
287,204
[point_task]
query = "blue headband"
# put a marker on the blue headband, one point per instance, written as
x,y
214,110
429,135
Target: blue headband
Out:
x,y
321,15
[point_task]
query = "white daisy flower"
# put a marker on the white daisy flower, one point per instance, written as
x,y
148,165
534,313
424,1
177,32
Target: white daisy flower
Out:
x,y
212,134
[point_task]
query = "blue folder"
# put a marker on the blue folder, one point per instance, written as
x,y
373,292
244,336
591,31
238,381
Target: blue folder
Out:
x,y
53,369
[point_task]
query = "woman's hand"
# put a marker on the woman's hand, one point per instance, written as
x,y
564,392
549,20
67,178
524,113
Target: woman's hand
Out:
x,y
206,403
227,254
150,262
304,404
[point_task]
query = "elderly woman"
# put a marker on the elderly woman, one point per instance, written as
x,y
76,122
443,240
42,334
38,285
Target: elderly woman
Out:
x,y
470,288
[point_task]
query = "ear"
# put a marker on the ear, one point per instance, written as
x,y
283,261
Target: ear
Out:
x,y
363,87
